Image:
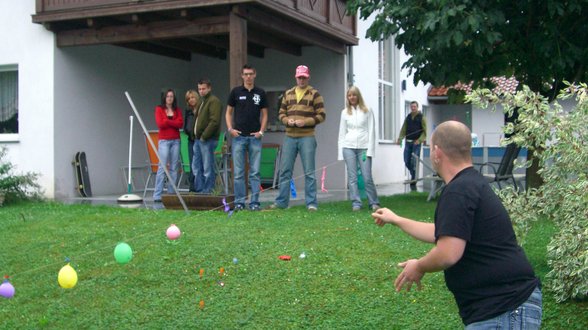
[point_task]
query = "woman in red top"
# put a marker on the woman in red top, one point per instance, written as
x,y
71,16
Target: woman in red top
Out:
x,y
168,118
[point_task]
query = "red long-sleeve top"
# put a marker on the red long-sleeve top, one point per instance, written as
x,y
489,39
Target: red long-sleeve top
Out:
x,y
169,129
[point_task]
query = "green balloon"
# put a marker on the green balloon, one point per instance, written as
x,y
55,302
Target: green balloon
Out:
x,y
123,253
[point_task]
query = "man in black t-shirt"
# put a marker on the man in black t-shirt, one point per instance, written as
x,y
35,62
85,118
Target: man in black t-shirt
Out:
x,y
246,119
475,245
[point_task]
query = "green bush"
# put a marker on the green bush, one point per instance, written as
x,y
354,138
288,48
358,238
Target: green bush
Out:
x,y
559,139
17,187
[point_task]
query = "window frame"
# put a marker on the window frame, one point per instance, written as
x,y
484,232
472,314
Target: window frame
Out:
x,y
11,137
388,77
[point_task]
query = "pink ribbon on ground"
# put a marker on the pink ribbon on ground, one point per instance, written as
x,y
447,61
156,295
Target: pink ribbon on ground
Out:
x,y
323,189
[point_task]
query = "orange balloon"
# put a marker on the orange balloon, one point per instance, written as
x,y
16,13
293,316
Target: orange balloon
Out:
x,y
201,272
201,304
222,271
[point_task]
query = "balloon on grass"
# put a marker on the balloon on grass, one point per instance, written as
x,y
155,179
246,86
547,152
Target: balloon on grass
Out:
x,y
173,232
123,253
67,277
6,288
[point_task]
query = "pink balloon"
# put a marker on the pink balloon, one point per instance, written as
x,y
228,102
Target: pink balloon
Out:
x,y
173,232
6,289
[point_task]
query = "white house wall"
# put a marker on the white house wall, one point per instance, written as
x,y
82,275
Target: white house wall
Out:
x,y
92,112
30,47
388,164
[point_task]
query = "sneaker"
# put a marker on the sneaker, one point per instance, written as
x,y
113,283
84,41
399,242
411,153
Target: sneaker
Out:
x,y
275,206
239,207
356,208
254,207
312,208
375,207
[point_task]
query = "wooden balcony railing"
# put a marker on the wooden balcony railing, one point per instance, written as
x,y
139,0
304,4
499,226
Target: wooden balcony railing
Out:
x,y
328,12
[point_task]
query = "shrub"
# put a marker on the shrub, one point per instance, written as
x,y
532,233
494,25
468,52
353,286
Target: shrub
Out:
x,y
17,187
559,139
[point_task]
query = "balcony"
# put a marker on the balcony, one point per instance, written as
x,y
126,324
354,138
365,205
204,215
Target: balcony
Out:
x,y
179,28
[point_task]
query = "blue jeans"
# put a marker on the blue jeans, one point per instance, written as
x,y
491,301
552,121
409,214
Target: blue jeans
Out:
x,y
203,165
306,146
353,157
190,158
251,146
169,151
409,161
526,316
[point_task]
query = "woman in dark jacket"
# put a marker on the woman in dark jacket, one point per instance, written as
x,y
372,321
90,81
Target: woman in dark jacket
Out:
x,y
189,121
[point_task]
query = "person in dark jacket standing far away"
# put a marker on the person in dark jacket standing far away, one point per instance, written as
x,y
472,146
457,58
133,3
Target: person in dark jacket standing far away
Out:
x,y
488,273
414,129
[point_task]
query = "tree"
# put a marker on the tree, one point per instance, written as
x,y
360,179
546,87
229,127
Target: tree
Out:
x,y
540,42
563,198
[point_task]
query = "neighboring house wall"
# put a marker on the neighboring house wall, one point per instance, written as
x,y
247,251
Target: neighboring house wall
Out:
x,y
29,47
485,123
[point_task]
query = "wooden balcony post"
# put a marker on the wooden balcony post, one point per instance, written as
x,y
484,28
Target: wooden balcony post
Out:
x,y
237,47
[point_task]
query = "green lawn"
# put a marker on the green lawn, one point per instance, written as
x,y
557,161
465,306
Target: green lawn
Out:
x,y
345,281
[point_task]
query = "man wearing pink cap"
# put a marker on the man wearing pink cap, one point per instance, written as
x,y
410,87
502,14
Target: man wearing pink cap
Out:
x,y
301,110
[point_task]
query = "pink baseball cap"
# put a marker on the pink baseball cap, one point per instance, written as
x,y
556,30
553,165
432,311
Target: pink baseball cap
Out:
x,y
302,71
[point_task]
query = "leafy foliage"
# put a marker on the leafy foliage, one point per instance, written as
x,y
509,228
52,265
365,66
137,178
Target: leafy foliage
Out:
x,y
540,42
562,139
17,187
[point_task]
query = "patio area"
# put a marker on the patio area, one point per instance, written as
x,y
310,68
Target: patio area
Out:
x,y
266,197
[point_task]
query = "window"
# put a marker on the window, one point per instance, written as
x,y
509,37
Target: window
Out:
x,y
8,99
274,100
388,90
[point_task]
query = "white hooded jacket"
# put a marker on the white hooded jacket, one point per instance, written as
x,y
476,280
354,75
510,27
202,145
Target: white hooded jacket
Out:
x,y
357,131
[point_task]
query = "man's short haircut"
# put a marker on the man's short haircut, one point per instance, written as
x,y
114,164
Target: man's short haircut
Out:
x,y
455,139
415,102
205,81
247,67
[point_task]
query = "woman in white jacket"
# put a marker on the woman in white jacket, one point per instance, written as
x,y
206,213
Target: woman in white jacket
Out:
x,y
357,143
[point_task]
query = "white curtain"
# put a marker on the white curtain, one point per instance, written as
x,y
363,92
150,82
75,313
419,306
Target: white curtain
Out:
x,y
8,96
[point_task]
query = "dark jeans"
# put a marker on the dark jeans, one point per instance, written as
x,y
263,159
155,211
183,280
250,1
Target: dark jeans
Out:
x,y
409,161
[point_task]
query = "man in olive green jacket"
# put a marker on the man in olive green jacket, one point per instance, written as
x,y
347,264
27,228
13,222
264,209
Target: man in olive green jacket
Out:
x,y
206,132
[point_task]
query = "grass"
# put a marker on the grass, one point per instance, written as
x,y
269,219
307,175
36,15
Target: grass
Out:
x,y
345,281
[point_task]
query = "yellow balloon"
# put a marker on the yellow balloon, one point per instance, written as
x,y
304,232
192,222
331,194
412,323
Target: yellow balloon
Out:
x,y
67,277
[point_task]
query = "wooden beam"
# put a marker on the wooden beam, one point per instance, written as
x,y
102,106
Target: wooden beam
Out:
x,y
237,48
193,47
294,31
269,41
149,31
155,49
117,9
255,50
